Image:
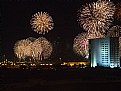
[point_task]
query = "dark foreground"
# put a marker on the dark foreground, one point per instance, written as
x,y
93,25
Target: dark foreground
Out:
x,y
60,80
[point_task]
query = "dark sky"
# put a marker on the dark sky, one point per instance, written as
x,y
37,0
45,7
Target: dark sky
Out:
x,y
15,24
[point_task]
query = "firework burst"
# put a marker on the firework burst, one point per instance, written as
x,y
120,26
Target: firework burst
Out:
x,y
96,17
22,48
38,49
41,22
46,46
81,43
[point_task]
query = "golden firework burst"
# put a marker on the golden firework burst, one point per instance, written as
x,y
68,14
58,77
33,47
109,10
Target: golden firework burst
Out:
x,y
97,16
41,22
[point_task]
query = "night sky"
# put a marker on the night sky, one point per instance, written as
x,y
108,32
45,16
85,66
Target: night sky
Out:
x,y
15,25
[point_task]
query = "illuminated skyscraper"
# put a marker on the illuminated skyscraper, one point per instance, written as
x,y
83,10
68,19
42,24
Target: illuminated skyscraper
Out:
x,y
104,52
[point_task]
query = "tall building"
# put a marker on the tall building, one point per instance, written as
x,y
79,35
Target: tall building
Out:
x,y
104,52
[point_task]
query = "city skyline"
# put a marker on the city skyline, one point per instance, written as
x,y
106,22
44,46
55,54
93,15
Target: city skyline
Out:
x,y
16,16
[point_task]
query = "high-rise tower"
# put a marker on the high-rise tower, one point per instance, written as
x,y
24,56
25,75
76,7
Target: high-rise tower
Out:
x,y
104,52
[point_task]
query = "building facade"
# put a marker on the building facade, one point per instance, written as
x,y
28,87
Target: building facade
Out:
x,y
104,52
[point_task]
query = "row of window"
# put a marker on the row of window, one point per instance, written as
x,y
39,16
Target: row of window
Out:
x,y
106,65
114,52
104,48
114,62
106,59
104,62
105,56
116,59
113,65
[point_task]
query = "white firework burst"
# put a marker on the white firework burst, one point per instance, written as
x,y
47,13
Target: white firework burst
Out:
x,y
103,9
22,48
38,49
97,16
46,47
41,22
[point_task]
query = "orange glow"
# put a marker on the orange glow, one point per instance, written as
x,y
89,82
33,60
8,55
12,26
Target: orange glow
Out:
x,y
75,63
